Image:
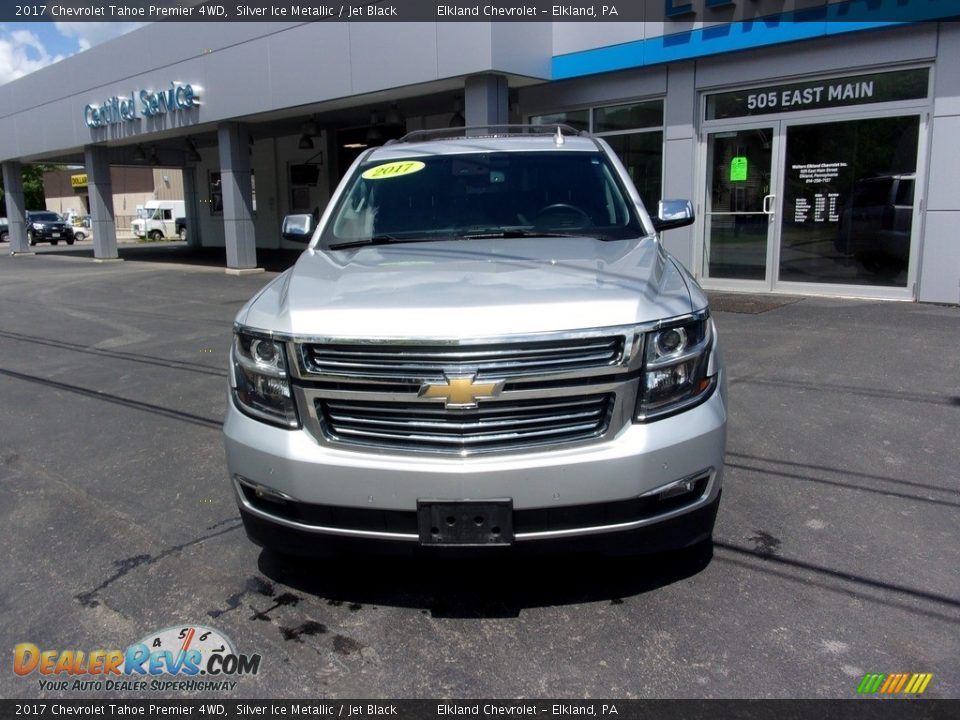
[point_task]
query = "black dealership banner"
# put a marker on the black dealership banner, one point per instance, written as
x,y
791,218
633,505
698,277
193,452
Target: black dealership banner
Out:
x,y
860,709
680,15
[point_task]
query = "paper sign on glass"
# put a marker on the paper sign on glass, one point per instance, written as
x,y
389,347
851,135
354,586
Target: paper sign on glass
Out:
x,y
738,168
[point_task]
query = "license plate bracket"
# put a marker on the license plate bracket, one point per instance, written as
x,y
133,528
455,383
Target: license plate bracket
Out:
x,y
477,523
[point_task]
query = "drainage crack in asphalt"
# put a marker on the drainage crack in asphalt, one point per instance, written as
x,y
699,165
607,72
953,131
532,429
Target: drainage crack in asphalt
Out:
x,y
160,410
124,566
762,553
115,354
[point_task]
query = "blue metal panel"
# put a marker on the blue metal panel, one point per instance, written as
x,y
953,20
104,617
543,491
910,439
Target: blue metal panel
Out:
x,y
828,20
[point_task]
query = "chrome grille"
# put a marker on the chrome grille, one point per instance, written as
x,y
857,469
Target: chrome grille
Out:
x,y
503,360
495,425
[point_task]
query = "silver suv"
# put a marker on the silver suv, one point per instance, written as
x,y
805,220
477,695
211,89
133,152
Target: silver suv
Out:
x,y
485,344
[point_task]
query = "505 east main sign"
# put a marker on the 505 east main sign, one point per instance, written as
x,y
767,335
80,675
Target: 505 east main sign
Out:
x,y
124,108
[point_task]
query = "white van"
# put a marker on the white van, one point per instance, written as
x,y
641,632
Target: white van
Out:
x,y
159,220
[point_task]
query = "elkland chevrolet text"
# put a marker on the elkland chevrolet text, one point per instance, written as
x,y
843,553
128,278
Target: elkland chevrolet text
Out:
x,y
485,344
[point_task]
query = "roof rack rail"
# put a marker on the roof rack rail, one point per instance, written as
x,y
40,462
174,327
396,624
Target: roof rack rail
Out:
x,y
486,131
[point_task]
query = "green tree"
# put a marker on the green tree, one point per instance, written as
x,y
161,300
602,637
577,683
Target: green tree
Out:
x,y
32,187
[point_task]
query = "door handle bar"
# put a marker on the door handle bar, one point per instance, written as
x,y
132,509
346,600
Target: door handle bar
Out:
x,y
768,204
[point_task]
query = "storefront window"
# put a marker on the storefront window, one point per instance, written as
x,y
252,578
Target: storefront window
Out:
x,y
848,201
577,119
628,117
633,130
215,192
642,155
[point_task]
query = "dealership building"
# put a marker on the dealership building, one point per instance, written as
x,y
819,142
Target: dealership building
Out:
x,y
821,157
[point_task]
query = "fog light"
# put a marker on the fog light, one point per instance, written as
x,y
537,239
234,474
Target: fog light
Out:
x,y
684,486
262,491
678,488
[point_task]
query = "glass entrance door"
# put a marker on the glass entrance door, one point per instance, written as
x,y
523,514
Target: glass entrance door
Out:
x,y
848,202
740,204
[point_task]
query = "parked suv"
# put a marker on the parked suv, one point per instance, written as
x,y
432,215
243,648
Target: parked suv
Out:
x,y
485,344
44,226
875,227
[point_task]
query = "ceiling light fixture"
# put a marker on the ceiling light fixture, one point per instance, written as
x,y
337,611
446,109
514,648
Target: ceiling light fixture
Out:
x,y
457,119
311,128
192,154
395,118
374,133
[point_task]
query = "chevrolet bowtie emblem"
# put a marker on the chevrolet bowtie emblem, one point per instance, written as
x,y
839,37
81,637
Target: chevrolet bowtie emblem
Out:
x,y
461,391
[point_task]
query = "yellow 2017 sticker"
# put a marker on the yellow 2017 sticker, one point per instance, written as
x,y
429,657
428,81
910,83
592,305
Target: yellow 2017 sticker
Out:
x,y
392,170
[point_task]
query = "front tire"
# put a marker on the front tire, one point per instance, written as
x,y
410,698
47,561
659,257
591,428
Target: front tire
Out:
x,y
4,236
70,241
79,236
182,234
31,238
155,235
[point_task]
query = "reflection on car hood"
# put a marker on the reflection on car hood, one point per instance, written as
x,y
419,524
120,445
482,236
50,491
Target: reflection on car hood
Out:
x,y
476,288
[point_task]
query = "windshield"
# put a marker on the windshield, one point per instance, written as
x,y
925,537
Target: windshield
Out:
x,y
45,217
483,195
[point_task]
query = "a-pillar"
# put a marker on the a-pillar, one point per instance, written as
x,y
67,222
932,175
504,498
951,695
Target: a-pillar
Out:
x,y
100,193
238,230
16,213
486,100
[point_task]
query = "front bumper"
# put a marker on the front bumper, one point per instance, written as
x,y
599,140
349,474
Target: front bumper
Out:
x,y
286,480
46,235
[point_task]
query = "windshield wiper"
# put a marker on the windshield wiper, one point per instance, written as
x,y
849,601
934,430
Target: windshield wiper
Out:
x,y
514,233
507,233
375,240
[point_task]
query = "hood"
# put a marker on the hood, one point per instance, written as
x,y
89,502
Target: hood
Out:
x,y
475,288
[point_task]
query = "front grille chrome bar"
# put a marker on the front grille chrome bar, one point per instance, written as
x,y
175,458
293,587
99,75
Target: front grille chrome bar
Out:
x,y
507,360
555,389
492,426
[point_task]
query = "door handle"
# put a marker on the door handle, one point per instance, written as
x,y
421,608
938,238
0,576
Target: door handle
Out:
x,y
768,204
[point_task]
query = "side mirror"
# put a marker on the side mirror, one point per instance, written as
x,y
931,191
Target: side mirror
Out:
x,y
673,214
297,228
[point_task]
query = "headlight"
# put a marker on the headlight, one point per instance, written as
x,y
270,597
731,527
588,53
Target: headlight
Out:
x,y
38,226
676,368
261,384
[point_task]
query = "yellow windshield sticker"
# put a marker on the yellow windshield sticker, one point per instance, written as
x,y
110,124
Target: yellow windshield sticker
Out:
x,y
392,170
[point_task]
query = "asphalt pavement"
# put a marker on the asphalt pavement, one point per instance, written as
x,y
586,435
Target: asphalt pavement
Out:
x,y
836,548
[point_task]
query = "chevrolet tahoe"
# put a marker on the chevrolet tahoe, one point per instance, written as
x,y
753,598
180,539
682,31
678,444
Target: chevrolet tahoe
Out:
x,y
485,344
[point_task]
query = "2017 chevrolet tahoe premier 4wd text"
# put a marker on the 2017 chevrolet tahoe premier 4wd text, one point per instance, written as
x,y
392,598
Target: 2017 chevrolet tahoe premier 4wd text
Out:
x,y
485,344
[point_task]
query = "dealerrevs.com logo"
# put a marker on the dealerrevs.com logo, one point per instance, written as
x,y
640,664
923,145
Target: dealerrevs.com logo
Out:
x,y
175,658
894,683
